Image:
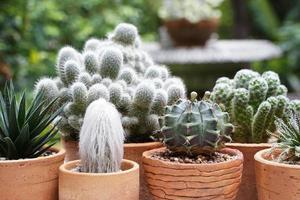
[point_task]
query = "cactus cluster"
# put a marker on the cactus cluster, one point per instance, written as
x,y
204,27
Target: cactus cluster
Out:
x,y
253,101
117,70
194,127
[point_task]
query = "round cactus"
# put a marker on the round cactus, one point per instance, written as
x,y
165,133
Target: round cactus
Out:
x,y
125,34
193,127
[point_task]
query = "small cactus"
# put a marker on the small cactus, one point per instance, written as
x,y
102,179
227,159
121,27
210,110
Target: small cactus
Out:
x,y
193,127
117,70
253,101
101,139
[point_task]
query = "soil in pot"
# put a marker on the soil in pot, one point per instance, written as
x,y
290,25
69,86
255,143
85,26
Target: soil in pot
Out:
x,y
217,177
247,189
75,185
134,152
276,181
31,179
185,33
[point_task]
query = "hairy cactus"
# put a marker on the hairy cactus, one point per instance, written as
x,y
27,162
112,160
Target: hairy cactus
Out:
x,y
101,139
117,70
253,102
194,127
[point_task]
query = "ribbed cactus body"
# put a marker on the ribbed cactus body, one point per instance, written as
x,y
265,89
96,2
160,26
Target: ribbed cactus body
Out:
x,y
194,127
253,101
117,70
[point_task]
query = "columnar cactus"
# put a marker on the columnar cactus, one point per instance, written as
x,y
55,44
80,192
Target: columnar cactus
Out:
x,y
193,127
101,138
253,102
117,70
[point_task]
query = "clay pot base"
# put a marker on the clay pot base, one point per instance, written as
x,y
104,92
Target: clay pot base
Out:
x,y
168,180
276,181
31,179
134,152
96,186
247,189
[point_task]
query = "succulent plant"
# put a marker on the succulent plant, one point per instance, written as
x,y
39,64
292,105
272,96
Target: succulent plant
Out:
x,y
253,101
25,131
193,127
288,134
191,10
101,138
117,70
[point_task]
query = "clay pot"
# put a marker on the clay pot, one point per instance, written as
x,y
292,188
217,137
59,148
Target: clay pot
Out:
x,y
134,152
169,180
185,33
72,149
31,179
99,186
276,181
247,189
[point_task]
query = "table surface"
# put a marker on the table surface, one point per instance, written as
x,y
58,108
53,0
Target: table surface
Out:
x,y
218,51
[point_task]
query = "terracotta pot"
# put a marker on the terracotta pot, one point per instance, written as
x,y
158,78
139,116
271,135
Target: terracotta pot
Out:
x,y
247,189
99,186
134,151
31,179
169,180
276,181
72,149
185,33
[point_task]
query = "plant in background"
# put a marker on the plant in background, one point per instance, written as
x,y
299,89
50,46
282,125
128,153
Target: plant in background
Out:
x,y
101,139
191,10
288,138
194,127
253,102
117,70
24,131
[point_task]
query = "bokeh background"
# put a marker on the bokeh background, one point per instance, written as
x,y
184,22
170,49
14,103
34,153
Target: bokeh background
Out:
x,y
32,31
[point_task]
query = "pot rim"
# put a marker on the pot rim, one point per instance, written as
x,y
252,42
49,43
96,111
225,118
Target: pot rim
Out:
x,y
58,153
239,154
259,157
141,144
249,145
72,164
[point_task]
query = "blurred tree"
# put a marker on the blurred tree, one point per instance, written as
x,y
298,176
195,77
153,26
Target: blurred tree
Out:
x,y
32,31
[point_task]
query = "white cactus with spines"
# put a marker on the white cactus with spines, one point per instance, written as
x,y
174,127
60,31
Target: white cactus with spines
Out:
x,y
117,70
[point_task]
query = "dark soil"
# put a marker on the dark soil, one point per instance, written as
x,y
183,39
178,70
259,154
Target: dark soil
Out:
x,y
216,157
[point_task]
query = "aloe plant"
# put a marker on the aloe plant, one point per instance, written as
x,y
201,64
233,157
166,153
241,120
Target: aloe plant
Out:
x,y
24,131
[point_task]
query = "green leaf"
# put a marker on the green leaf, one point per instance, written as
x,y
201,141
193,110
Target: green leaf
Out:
x,y
11,149
23,138
13,122
22,110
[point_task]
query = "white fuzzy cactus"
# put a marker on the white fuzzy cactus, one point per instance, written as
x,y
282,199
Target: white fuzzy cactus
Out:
x,y
101,139
117,70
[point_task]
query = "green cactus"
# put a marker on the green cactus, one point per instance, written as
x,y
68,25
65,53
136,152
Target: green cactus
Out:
x,y
117,70
253,101
192,127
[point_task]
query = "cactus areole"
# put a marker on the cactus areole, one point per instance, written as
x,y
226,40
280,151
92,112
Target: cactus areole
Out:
x,y
117,70
194,127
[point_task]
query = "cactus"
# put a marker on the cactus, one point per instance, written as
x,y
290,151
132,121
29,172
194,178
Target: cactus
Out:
x,y
117,70
253,101
193,127
101,139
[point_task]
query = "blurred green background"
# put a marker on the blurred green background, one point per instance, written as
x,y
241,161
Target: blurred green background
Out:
x,y
32,31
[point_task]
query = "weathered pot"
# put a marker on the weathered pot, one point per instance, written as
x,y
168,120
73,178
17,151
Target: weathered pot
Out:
x,y
169,180
247,189
276,181
99,186
72,149
185,33
31,179
134,151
